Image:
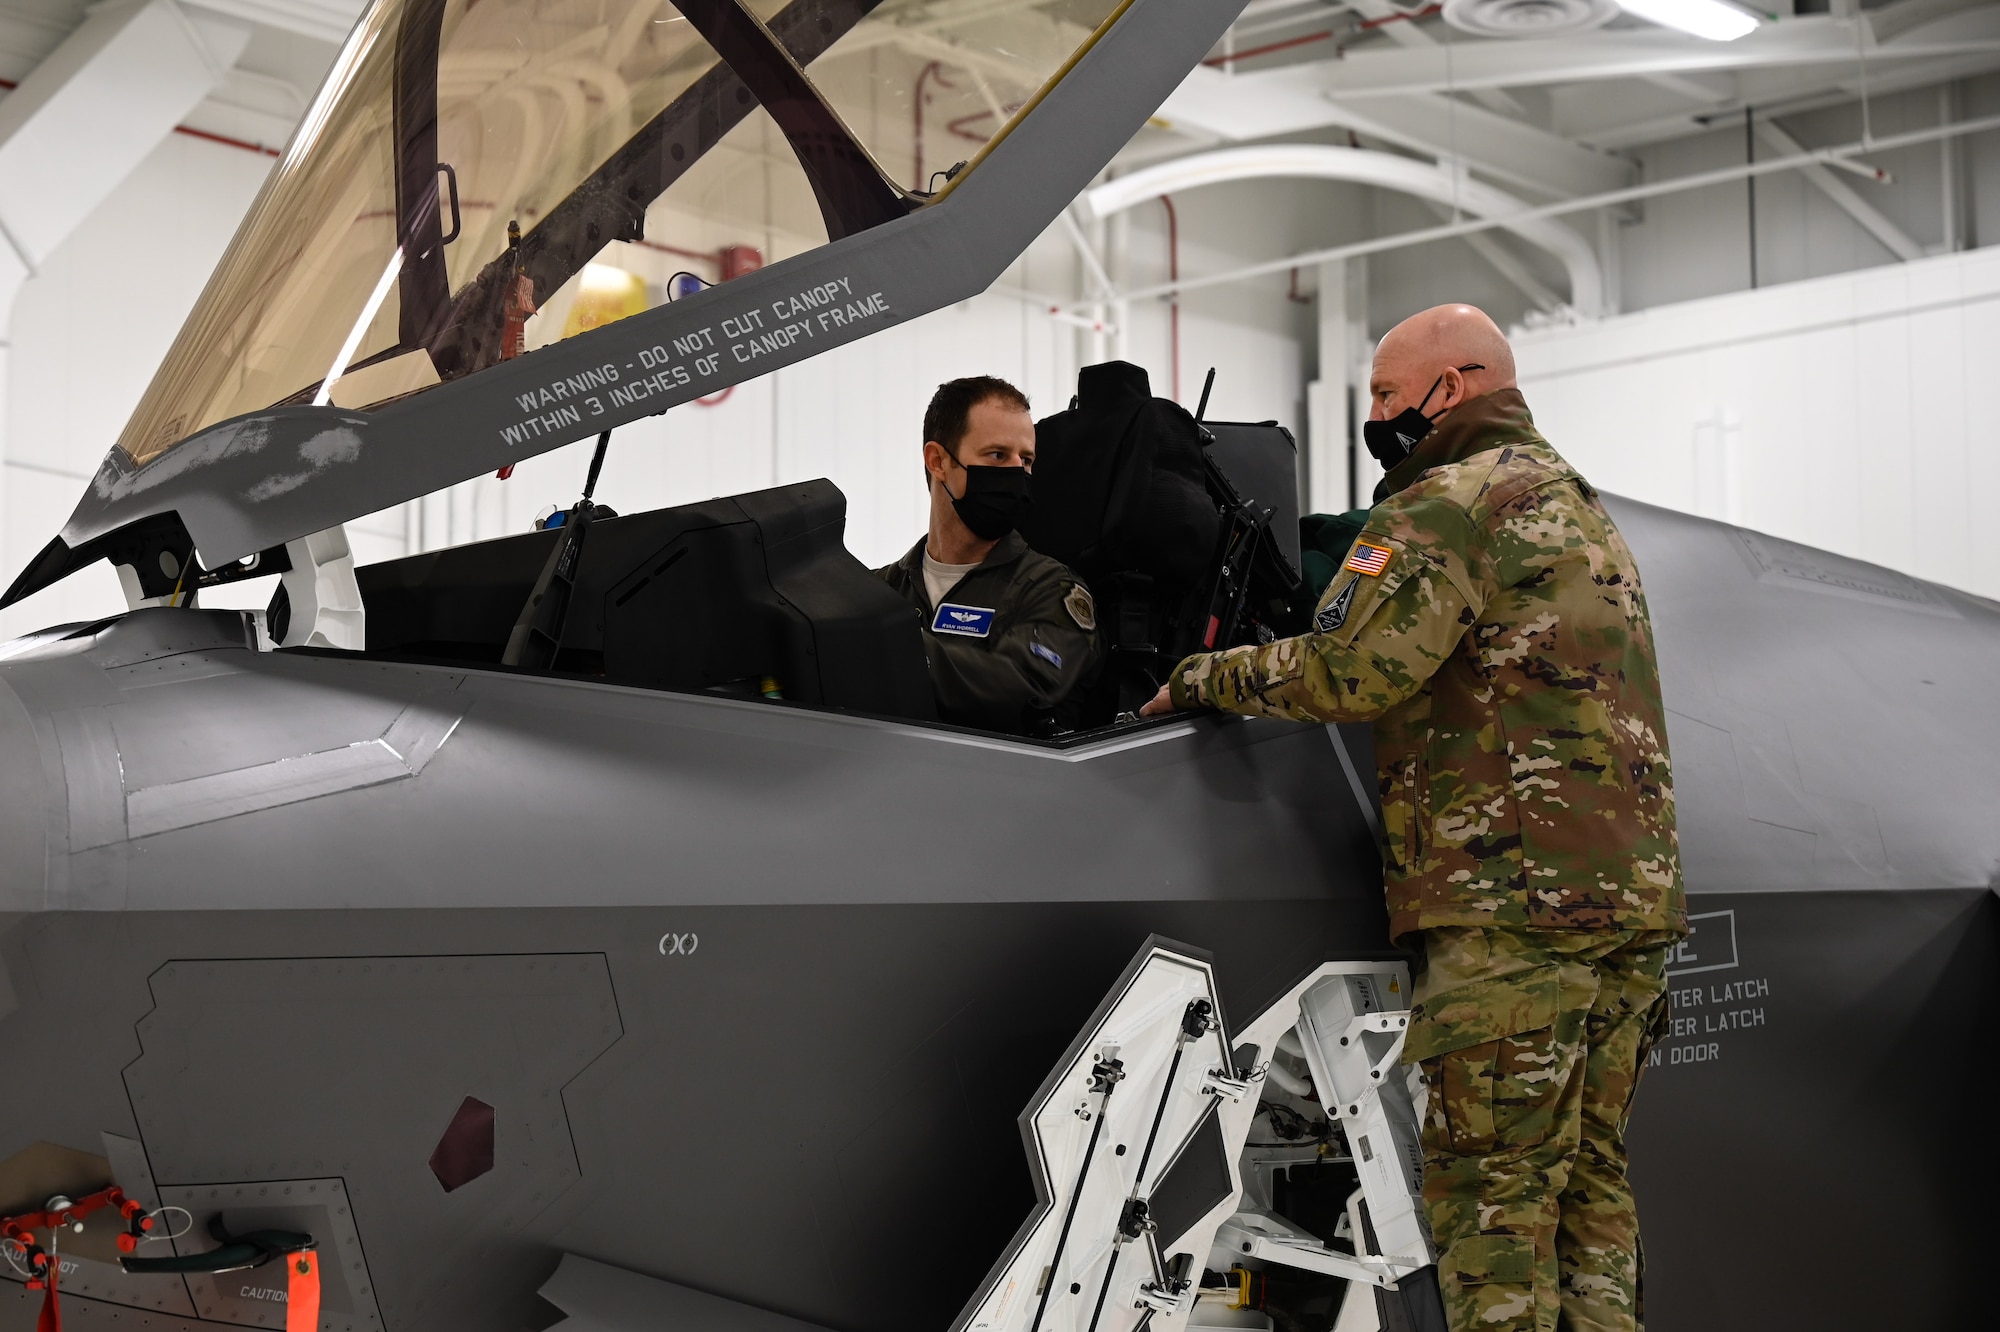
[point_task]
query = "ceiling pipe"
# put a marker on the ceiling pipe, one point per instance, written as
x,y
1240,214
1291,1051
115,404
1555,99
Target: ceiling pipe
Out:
x,y
1362,166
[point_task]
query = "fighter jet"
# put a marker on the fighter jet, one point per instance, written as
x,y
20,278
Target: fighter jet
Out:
x,y
596,928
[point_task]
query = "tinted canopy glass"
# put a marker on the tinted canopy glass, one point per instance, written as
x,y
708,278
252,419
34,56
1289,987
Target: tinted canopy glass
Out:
x,y
481,177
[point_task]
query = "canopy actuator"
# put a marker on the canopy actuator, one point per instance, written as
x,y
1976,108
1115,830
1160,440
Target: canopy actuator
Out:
x,y
538,633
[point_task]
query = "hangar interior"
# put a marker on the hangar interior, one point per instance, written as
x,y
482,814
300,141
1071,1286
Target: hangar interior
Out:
x,y
716,1001
1742,330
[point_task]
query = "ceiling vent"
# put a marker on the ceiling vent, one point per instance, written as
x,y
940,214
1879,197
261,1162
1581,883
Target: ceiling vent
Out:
x,y
1528,18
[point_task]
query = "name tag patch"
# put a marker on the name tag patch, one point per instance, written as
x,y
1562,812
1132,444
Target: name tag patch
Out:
x,y
966,621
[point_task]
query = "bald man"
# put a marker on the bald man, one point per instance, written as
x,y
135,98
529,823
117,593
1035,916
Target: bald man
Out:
x,y
1489,621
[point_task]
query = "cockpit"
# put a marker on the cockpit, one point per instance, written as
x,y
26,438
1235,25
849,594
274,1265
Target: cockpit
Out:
x,y
1190,529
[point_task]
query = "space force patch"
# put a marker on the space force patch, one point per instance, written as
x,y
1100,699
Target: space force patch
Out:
x,y
1334,614
1368,558
966,621
1081,608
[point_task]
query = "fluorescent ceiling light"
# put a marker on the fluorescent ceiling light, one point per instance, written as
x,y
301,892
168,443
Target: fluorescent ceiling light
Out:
x,y
1712,19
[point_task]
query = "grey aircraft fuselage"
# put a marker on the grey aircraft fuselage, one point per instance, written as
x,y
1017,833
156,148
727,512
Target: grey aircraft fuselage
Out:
x,y
756,991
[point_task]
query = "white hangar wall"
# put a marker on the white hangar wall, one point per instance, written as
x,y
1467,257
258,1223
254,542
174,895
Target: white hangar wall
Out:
x,y
1846,412
1941,196
88,330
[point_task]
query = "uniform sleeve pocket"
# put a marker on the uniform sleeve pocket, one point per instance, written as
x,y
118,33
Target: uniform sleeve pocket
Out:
x,y
1492,1062
1399,817
1479,1259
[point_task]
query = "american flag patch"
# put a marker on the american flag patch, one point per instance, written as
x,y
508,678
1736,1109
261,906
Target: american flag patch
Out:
x,y
1368,558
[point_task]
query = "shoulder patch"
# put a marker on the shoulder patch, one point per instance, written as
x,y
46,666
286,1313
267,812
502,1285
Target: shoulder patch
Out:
x,y
1334,614
1080,607
1368,558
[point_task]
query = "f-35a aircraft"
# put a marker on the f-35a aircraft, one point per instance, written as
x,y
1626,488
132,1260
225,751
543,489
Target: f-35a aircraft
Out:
x,y
595,927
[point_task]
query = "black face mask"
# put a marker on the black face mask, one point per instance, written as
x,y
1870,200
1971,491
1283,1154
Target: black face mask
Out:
x,y
996,499
1397,438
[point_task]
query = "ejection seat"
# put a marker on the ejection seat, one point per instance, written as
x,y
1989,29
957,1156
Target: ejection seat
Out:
x,y
752,595
1186,531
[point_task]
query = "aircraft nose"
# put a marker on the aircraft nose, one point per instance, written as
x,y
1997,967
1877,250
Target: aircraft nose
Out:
x,y
23,808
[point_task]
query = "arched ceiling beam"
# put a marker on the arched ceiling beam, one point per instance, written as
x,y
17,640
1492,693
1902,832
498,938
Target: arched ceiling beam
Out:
x,y
1360,166
1293,99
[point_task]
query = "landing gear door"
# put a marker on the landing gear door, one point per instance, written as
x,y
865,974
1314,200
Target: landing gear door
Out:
x,y
1133,1172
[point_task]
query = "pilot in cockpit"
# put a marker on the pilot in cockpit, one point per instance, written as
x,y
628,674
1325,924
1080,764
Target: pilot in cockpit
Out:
x,y
1009,633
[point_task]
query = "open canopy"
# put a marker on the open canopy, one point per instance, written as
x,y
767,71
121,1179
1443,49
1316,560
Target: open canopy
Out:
x,y
466,255
468,158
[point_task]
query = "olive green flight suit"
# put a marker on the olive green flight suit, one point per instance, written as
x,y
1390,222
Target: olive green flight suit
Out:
x,y
1489,620
1013,668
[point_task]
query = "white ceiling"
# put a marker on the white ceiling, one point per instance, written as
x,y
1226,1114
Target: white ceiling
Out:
x,y
1545,118
292,44
1555,116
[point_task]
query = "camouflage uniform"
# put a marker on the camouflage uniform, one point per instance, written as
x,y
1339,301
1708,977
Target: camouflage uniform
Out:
x,y
1489,620
1531,1044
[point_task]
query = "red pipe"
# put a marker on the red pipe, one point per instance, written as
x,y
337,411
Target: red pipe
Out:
x,y
958,126
193,133
1290,42
244,144
706,256
1174,298
1256,51
935,73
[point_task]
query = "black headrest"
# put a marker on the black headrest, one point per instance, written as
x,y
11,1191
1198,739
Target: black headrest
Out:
x,y
1108,387
1119,483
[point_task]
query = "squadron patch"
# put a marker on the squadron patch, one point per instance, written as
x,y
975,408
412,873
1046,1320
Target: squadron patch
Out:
x,y
1335,612
1081,608
1368,558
